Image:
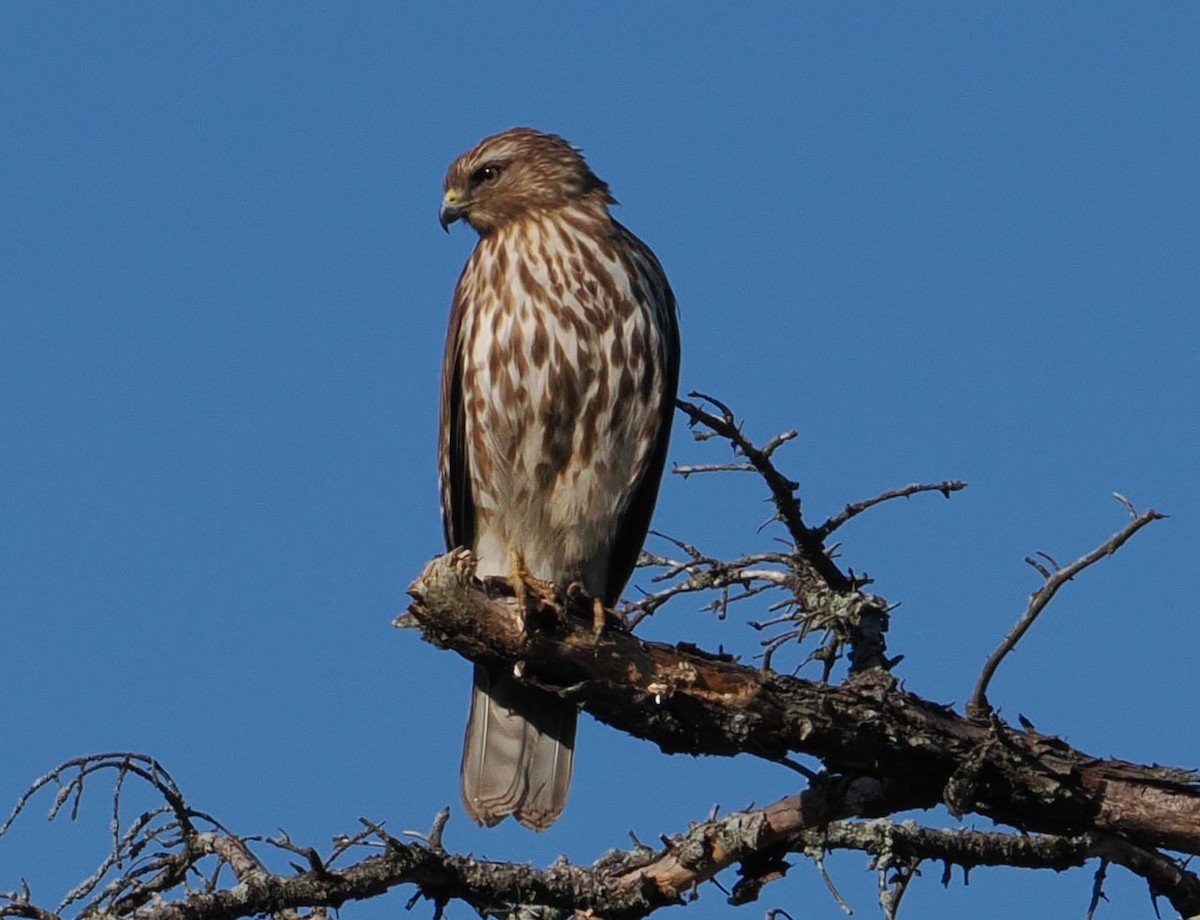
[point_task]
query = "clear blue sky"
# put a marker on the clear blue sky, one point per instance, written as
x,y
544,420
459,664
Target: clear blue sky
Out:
x,y
941,240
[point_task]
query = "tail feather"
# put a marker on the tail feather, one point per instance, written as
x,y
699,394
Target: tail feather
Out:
x,y
518,752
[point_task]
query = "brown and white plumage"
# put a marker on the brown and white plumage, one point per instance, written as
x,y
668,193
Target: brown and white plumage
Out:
x,y
558,386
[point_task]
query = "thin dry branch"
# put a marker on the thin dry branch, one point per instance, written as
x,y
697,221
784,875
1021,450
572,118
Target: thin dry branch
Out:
x,y
706,573
856,508
688,469
783,490
822,598
153,854
978,706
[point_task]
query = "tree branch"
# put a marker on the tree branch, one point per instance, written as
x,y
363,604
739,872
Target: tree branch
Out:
x,y
823,597
622,884
854,509
783,490
686,700
978,706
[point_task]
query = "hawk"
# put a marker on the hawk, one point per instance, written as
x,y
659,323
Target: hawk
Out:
x,y
558,387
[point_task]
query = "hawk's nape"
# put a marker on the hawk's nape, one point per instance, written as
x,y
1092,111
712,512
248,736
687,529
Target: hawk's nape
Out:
x,y
558,387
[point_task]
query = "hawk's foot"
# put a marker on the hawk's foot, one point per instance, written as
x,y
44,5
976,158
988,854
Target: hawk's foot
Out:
x,y
529,589
598,618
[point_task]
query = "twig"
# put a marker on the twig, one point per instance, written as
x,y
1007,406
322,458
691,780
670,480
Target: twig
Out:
x,y
892,892
1165,876
857,508
284,842
782,438
20,904
705,573
837,895
686,470
978,707
822,595
123,846
783,490
1097,889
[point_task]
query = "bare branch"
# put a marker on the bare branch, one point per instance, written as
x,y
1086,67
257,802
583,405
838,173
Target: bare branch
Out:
x,y
891,889
1097,888
978,706
686,470
853,510
783,490
623,885
823,597
689,701
829,884
706,573
782,438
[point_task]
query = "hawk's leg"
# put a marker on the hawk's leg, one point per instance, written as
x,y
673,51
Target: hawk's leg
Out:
x,y
526,587
597,617
601,616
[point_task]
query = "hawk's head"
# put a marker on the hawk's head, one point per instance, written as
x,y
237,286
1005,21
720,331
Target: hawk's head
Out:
x,y
516,173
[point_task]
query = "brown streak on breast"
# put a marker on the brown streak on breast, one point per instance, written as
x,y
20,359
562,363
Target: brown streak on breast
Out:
x,y
601,397
539,348
528,282
625,386
559,415
616,353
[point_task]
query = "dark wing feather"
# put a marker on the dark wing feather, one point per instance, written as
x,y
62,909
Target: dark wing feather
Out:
x,y
458,507
635,520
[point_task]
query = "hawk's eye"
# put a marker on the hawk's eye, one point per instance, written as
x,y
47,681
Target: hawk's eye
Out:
x,y
487,173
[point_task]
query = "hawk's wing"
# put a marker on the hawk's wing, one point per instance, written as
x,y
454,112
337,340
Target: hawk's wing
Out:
x,y
458,507
635,519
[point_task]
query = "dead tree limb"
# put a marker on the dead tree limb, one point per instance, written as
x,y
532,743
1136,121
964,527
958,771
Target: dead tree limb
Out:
x,y
621,885
686,700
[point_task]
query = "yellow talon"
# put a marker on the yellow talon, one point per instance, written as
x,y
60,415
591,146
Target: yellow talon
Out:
x,y
525,584
598,618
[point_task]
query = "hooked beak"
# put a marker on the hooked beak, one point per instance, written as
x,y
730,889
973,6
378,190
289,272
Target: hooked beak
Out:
x,y
452,209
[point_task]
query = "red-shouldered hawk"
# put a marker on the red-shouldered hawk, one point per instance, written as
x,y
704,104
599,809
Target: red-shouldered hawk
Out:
x,y
558,387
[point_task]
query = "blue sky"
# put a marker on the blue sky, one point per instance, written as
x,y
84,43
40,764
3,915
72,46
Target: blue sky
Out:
x,y
941,240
